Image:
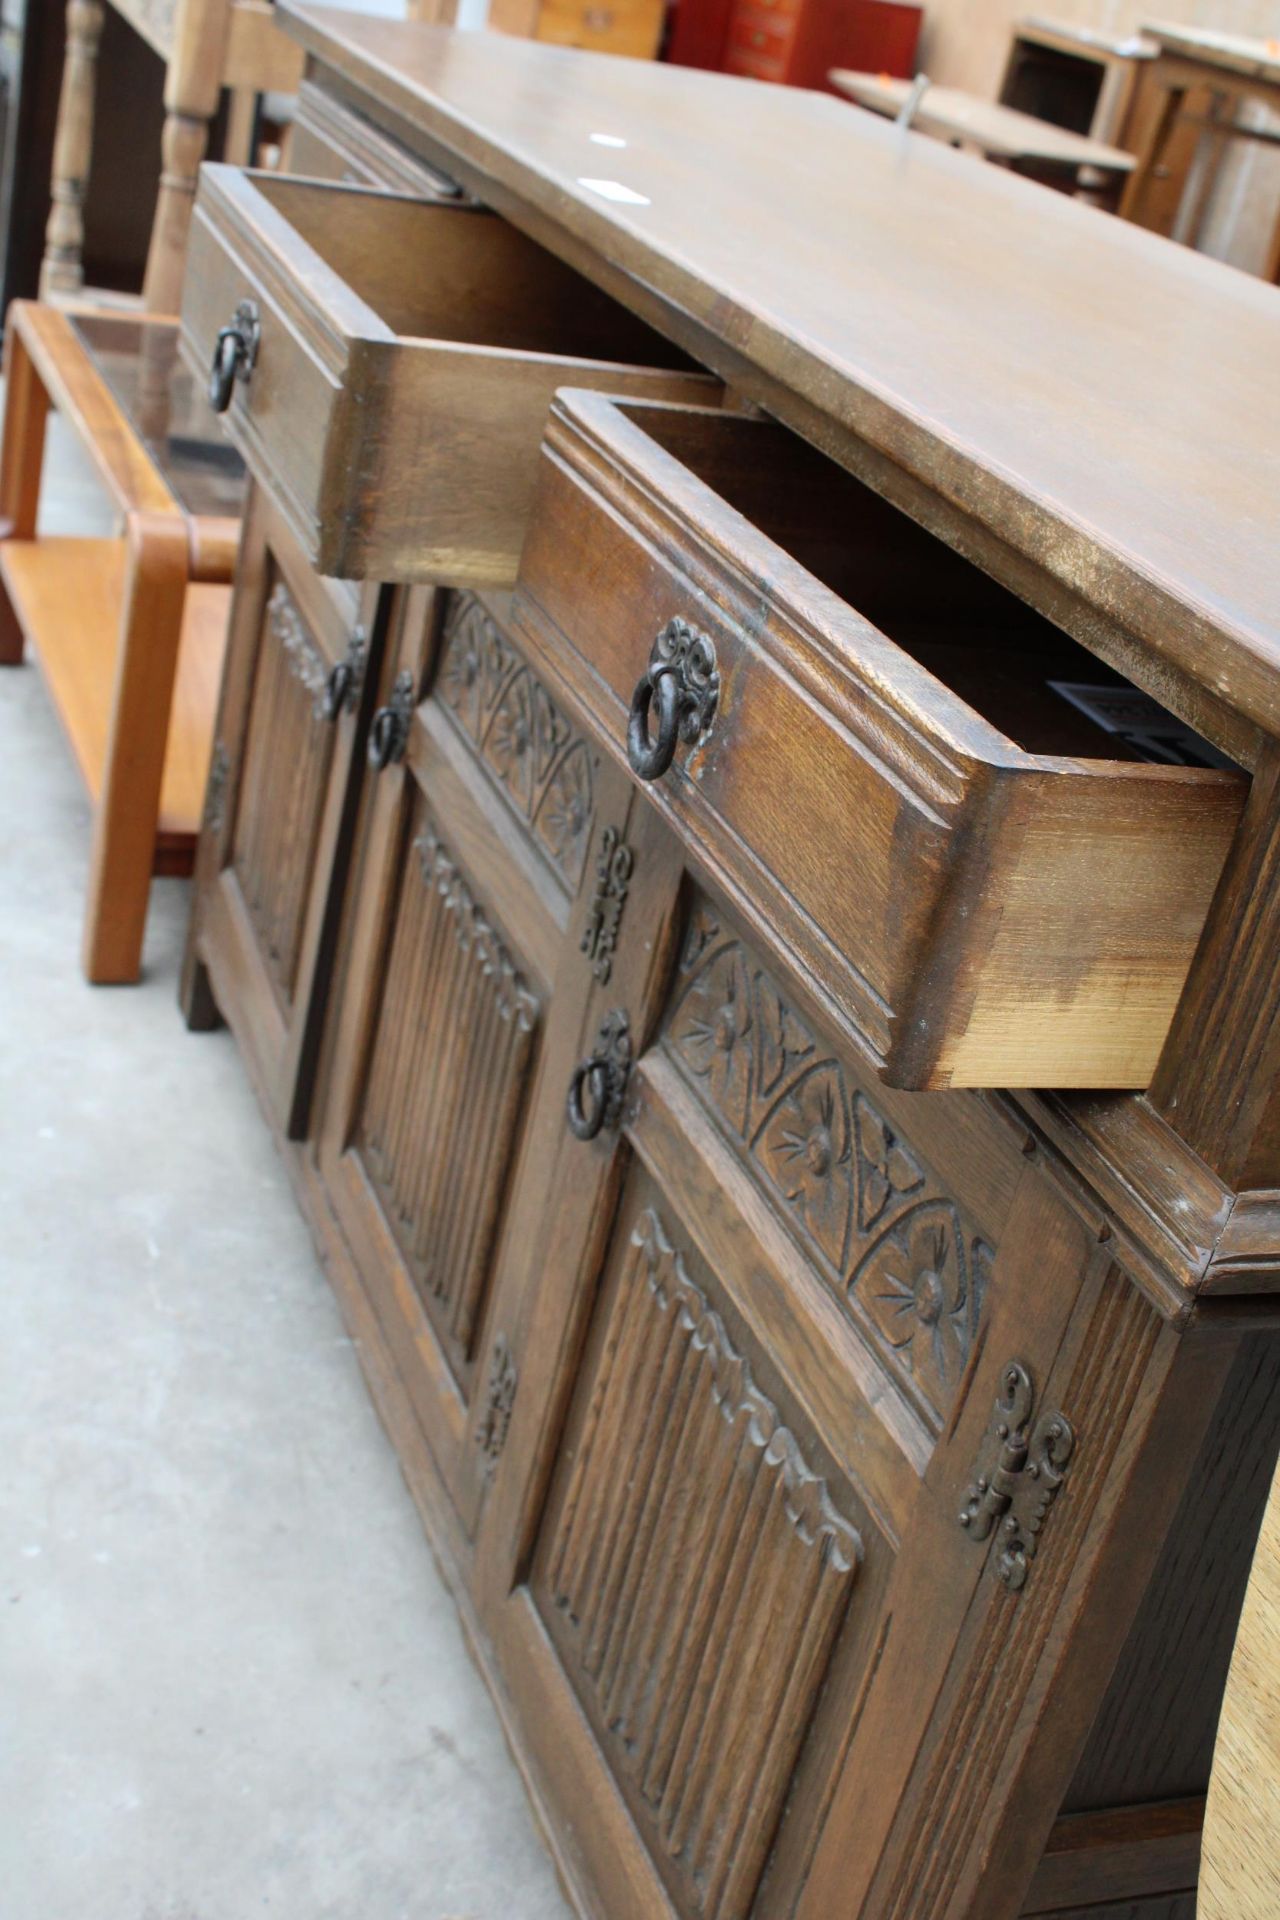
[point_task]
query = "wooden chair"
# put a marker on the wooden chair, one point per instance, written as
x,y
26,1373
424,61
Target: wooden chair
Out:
x,y
207,45
1240,1862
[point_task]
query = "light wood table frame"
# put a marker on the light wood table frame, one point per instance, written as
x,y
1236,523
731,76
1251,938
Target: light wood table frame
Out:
x,y
1232,69
129,631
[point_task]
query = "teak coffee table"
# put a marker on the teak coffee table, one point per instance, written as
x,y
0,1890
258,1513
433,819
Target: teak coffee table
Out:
x,y
129,631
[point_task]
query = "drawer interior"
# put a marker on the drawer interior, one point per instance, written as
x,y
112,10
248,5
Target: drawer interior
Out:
x,y
461,274
1020,673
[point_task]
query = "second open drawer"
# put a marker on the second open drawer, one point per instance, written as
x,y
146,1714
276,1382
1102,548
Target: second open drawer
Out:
x,y
388,363
929,795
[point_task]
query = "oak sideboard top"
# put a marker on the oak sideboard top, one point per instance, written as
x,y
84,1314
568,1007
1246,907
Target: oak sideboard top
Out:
x,y
1104,402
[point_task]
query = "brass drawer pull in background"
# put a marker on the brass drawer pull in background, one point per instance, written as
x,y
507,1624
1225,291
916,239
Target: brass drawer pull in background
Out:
x,y
234,354
682,677
346,676
389,730
599,1082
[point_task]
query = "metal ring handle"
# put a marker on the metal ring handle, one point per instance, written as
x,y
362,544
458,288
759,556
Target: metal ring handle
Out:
x,y
385,744
226,361
337,689
650,759
585,1121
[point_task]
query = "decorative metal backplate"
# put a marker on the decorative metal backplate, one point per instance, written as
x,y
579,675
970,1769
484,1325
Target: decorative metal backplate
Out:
x,y
1017,1476
692,657
613,878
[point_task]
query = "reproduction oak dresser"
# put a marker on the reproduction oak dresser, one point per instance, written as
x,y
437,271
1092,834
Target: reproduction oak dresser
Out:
x,y
756,636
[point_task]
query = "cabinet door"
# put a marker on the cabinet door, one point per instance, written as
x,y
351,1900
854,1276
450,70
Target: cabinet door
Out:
x,y
478,843
752,1314
277,831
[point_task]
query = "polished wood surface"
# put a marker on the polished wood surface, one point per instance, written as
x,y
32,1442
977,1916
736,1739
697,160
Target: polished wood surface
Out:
x,y
1039,408
1240,1879
999,132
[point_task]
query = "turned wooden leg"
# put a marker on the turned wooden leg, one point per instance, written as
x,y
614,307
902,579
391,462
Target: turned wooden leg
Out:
x,y
185,138
21,458
62,270
124,831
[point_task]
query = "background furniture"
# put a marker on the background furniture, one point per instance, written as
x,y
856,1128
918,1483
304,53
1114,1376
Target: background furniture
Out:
x,y
1229,68
1016,140
1076,77
207,45
129,632
1240,1871
848,1464
796,43
615,26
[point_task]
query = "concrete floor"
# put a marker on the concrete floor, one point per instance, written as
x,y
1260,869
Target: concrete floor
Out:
x,y
231,1681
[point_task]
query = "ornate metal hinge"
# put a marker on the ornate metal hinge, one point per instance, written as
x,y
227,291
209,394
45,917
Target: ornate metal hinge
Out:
x,y
389,728
500,1395
1017,1476
613,877
599,1083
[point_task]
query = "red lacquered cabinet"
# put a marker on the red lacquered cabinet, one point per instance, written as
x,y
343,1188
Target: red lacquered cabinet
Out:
x,y
796,41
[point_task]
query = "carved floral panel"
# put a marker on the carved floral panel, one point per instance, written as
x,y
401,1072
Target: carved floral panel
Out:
x,y
891,1240
537,762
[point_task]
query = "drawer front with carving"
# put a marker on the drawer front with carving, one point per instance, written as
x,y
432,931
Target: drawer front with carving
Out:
x,y
912,780
386,363
479,829
332,140
300,652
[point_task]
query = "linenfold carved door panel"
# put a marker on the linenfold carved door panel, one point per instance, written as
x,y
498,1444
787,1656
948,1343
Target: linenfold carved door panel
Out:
x,y
756,1301
479,831
281,803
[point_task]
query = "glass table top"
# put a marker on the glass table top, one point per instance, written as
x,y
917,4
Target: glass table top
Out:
x,y
167,409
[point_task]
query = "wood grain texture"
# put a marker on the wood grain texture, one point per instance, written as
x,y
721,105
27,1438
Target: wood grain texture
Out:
x,y
75,590
1020,918
834,319
1241,1873
420,396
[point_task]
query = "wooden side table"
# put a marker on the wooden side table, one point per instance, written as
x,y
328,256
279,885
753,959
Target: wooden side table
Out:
x,y
1232,68
129,632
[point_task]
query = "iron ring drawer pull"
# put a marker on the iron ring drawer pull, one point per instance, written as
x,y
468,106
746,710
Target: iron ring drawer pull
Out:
x,y
682,678
599,1083
389,728
234,354
342,688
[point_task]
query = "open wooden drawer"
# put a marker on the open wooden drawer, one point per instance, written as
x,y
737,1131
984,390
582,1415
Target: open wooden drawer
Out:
x,y
869,747
387,363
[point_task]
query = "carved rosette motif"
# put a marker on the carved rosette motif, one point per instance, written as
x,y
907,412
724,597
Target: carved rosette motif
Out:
x,y
892,1241
696,1558
300,650
539,765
